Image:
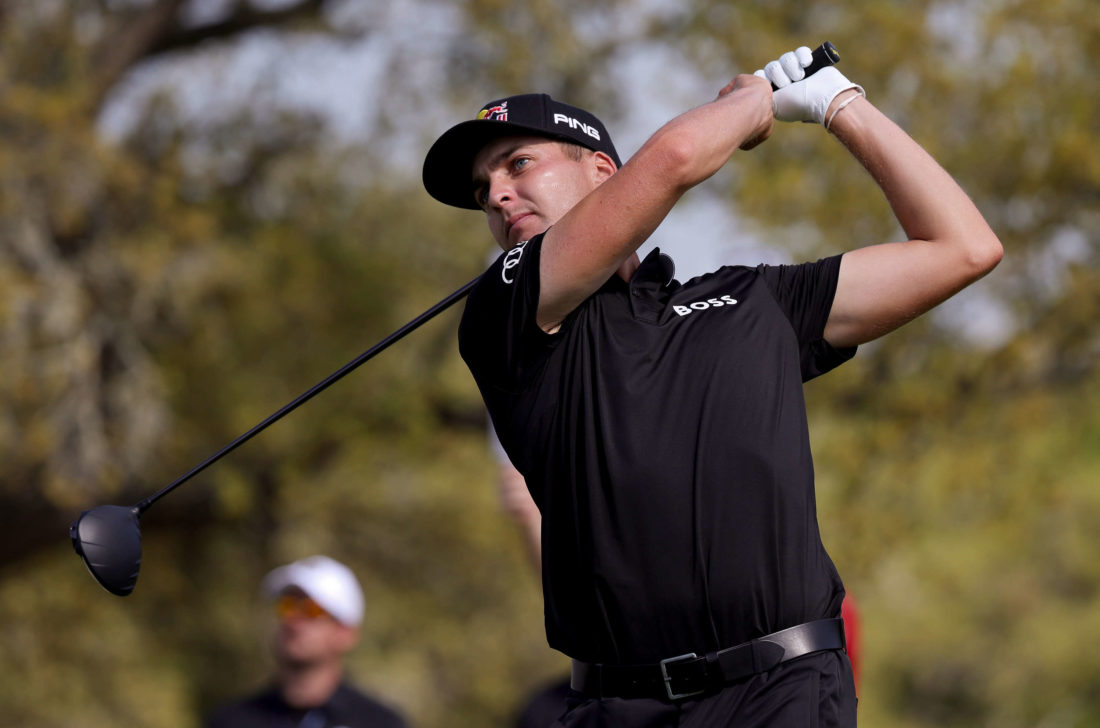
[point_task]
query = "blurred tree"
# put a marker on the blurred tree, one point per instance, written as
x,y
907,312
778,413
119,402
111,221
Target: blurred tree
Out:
x,y
163,291
89,262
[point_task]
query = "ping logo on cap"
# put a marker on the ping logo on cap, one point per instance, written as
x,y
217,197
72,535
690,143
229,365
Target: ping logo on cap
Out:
x,y
494,113
577,124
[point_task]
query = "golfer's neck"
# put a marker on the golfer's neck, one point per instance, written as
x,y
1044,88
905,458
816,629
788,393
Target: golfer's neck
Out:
x,y
628,266
309,686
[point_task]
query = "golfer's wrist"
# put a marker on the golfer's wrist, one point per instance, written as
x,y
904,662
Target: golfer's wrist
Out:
x,y
754,113
839,106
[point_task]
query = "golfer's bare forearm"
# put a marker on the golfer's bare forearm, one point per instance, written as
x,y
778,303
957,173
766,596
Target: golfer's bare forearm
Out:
x,y
881,287
927,202
700,141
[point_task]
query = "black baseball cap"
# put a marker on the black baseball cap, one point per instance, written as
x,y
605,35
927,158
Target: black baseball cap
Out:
x,y
449,164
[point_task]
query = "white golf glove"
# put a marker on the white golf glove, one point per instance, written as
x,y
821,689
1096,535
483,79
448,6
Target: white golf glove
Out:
x,y
799,98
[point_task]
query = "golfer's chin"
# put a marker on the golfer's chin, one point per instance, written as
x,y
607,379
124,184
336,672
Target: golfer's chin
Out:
x,y
525,229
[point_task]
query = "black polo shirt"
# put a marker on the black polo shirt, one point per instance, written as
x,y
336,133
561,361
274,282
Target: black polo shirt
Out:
x,y
347,708
662,432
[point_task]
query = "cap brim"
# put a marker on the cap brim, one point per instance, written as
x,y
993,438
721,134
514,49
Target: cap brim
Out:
x,y
448,167
277,580
291,576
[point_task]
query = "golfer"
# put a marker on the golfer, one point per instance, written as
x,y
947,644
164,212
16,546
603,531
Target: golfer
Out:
x,y
660,426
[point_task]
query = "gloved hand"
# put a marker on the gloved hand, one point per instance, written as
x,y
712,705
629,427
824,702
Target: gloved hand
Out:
x,y
797,97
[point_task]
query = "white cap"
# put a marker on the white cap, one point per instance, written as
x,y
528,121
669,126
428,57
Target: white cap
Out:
x,y
327,582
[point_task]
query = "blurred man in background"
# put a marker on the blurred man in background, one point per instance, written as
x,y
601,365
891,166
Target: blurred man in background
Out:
x,y
319,606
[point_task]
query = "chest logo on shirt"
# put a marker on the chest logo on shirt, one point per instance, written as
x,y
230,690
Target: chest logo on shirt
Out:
x,y
511,260
725,300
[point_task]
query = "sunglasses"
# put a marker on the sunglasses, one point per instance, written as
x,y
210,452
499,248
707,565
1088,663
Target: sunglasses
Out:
x,y
289,606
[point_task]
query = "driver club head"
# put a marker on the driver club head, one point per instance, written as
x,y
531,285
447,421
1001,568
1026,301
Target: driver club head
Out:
x,y
108,538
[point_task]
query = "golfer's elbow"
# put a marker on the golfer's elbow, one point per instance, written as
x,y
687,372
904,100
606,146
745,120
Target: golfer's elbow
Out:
x,y
972,248
983,251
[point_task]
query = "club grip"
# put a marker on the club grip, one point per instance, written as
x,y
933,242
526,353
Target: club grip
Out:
x,y
824,55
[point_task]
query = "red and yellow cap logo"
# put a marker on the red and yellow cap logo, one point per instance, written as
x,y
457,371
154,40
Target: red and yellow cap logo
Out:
x,y
494,113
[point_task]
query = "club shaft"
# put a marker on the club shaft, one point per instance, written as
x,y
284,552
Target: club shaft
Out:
x,y
310,393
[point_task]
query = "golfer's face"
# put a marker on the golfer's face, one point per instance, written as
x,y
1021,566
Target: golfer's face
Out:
x,y
525,184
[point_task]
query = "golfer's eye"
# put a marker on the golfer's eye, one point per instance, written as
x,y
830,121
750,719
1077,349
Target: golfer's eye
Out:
x,y
520,162
481,195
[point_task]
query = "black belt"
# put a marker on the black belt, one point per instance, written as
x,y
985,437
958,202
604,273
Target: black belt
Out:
x,y
689,675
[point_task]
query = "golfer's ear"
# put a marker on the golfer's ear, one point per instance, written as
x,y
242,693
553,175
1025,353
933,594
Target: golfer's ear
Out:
x,y
602,167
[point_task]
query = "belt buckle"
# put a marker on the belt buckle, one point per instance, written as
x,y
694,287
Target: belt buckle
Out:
x,y
668,680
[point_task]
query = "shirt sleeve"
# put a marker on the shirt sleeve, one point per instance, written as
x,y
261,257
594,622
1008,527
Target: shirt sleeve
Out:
x,y
499,337
805,294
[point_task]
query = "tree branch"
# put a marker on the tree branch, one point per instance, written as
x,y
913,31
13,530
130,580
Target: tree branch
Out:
x,y
120,50
157,30
244,19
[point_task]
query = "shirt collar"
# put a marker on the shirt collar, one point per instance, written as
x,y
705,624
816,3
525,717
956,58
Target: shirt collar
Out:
x,y
651,285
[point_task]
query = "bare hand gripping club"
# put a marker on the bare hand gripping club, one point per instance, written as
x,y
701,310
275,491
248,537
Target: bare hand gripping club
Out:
x,y
108,538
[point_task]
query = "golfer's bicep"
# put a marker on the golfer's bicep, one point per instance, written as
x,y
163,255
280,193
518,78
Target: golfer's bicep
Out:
x,y
882,287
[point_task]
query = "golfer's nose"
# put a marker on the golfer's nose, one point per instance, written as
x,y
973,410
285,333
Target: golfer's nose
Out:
x,y
501,191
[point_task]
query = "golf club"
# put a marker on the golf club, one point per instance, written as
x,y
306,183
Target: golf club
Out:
x,y
108,538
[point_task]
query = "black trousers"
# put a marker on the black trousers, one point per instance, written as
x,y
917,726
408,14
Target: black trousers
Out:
x,y
815,691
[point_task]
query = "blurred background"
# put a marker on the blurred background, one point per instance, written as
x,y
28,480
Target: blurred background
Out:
x,y
208,205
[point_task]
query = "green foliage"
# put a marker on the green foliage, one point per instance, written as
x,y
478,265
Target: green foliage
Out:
x,y
161,294
967,534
